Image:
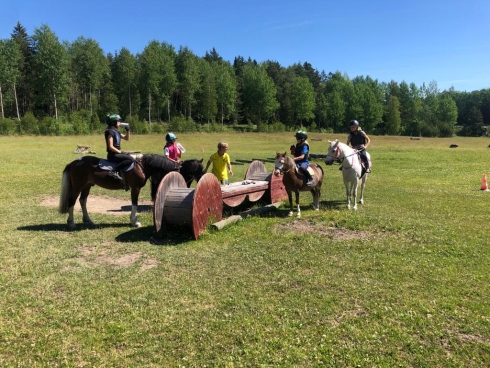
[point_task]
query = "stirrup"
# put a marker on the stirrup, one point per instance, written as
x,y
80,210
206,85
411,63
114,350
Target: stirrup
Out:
x,y
310,182
114,174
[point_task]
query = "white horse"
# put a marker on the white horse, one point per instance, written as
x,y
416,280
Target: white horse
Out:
x,y
351,170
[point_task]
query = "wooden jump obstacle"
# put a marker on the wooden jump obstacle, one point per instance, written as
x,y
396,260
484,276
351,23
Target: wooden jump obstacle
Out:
x,y
175,204
258,183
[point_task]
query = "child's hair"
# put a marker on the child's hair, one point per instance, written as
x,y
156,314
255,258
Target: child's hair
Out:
x,y
222,144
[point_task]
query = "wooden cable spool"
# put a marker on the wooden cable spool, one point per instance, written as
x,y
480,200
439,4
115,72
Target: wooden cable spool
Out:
x,y
276,192
175,204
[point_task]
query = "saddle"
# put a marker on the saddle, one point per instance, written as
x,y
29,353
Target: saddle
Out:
x,y
301,173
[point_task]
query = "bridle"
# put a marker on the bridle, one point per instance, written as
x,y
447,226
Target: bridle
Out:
x,y
337,157
281,169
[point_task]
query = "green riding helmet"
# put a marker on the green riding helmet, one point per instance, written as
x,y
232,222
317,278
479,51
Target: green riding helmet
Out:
x,y
301,134
112,119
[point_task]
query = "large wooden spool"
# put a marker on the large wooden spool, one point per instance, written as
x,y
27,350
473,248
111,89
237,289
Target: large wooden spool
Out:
x,y
175,204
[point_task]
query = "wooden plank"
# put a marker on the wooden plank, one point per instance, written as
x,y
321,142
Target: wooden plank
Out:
x,y
235,218
318,155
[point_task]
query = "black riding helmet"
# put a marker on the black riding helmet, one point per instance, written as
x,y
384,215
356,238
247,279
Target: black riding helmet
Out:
x,y
353,123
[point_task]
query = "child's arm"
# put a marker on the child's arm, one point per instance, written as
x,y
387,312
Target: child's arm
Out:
x,y
207,165
230,170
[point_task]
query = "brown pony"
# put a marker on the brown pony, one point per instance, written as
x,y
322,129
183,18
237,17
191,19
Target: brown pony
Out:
x,y
80,175
296,182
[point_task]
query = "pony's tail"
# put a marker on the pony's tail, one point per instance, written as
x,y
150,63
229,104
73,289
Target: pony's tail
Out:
x,y
65,191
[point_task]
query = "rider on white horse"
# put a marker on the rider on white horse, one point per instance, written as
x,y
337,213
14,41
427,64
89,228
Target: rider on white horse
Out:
x,y
360,141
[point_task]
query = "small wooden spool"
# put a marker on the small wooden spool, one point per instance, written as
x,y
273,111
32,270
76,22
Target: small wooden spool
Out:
x,y
175,204
276,192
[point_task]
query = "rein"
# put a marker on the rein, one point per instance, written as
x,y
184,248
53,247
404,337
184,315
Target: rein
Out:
x,y
337,155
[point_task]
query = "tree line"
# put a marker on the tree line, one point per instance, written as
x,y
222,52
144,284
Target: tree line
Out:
x,y
55,88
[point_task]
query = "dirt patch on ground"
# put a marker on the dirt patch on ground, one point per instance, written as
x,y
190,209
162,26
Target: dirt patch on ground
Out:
x,y
103,204
333,233
101,257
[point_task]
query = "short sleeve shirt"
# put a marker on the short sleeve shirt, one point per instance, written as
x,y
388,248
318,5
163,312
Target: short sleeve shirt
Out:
x,y
220,165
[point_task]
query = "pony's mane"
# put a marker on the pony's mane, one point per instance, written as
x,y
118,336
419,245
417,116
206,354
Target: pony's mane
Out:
x,y
158,162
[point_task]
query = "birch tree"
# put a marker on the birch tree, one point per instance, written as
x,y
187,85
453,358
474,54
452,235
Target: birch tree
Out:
x,y
51,62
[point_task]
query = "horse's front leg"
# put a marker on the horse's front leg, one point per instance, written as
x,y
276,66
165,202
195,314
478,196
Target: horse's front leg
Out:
x,y
83,203
298,215
134,207
347,194
354,196
290,197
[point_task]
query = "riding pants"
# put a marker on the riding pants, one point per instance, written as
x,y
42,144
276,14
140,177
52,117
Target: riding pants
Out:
x,y
123,160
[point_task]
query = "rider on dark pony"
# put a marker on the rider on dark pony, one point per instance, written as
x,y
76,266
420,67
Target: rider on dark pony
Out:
x,y
301,151
359,140
113,143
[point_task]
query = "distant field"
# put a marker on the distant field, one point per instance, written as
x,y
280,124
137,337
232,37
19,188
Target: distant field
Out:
x,y
401,282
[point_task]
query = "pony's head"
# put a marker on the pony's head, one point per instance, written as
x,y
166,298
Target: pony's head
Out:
x,y
282,163
333,152
192,170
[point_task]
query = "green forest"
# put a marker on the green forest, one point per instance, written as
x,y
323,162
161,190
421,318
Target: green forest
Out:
x,y
53,87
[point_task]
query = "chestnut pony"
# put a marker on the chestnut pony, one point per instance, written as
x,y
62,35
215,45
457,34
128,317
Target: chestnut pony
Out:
x,y
295,182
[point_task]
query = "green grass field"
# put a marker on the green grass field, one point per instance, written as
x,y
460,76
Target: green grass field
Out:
x,y
403,282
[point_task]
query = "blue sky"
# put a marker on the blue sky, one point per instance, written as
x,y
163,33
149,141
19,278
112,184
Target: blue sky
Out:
x,y
418,41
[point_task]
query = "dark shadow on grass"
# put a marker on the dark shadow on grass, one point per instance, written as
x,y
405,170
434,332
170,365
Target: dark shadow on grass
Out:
x,y
332,205
174,235
64,227
145,234
141,208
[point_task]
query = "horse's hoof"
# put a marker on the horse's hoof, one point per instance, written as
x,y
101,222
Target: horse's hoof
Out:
x,y
290,214
71,225
298,215
137,225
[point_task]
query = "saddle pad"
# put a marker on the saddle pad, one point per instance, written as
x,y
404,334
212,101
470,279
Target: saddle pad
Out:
x,y
108,165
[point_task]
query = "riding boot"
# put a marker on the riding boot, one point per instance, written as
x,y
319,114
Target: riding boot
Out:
x,y
309,178
114,174
367,167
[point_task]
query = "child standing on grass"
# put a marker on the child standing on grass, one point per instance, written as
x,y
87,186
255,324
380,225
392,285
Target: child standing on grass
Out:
x,y
221,163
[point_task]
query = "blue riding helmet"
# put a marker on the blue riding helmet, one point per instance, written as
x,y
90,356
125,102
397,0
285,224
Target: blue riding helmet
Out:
x,y
170,137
